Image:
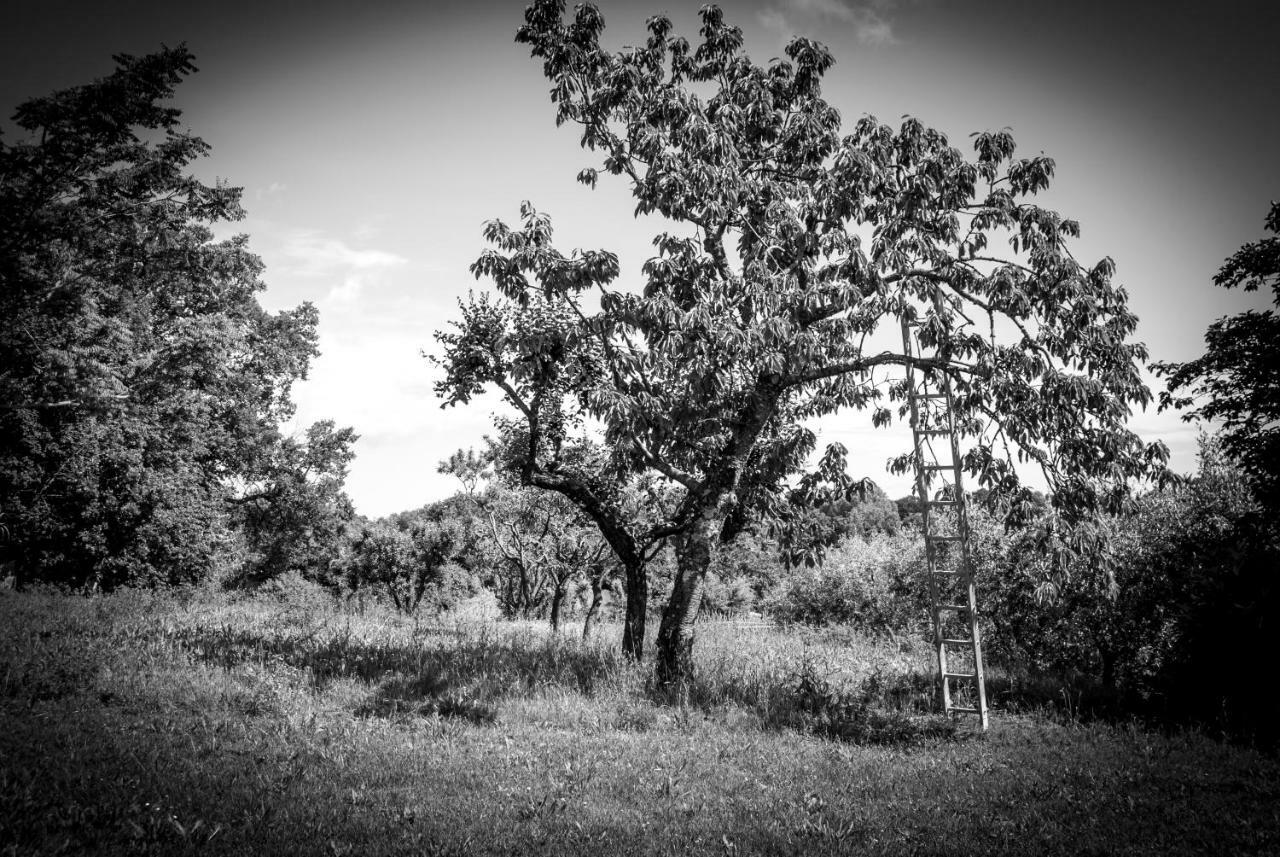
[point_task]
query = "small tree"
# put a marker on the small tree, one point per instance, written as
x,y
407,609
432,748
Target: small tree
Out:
x,y
794,245
405,563
541,543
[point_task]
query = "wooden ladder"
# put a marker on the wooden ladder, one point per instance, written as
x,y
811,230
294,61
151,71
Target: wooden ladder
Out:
x,y
945,521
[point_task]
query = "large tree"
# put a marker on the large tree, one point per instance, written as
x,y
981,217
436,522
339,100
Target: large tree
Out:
x,y
792,246
1237,379
142,386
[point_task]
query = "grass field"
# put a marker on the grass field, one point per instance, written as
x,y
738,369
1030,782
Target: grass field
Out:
x,y
176,724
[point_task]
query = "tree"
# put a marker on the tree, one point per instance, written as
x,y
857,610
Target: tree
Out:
x,y
139,377
1191,584
540,543
794,245
1237,380
407,563
295,515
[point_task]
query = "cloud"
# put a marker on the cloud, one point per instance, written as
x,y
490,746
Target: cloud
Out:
x,y
312,255
867,19
273,189
318,256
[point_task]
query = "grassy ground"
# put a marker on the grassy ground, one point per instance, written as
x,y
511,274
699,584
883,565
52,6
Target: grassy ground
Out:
x,y
173,725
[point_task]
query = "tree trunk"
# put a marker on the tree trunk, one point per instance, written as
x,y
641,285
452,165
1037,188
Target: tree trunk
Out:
x,y
557,601
1108,668
637,608
675,634
597,596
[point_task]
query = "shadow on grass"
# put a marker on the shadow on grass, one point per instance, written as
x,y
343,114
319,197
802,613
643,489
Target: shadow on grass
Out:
x,y
1071,698
428,695
464,677
893,709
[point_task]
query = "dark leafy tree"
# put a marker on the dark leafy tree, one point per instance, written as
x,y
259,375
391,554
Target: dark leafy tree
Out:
x,y
404,563
139,377
1237,380
792,244
1189,585
295,514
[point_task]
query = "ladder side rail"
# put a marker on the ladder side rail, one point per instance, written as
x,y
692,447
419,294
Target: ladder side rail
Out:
x,y
922,491
964,531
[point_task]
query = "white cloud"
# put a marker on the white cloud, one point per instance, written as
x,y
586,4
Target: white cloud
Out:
x,y
317,256
311,254
273,189
867,19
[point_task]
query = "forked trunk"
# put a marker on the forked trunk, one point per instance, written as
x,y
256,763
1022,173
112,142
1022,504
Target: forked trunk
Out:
x,y
676,633
637,590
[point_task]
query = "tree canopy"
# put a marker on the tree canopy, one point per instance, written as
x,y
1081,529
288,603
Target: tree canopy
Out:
x,y
1237,379
794,245
143,386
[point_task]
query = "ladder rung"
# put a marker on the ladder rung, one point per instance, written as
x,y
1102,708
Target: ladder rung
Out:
x,y
944,538
963,709
953,606
937,467
944,573
942,502
960,675
932,431
958,641
930,395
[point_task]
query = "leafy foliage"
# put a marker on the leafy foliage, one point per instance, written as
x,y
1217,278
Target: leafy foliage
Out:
x,y
539,549
1189,587
877,584
1237,380
296,516
140,377
707,378
406,564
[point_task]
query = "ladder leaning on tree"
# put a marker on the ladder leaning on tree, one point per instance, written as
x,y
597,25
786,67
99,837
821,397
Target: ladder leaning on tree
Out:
x,y
945,522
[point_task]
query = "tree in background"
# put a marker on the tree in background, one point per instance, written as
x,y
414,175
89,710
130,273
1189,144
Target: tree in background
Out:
x,y
1237,380
539,543
140,380
408,564
294,515
792,245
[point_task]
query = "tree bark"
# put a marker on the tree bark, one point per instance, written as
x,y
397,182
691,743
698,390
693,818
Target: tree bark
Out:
x,y
598,576
557,601
597,596
676,633
636,583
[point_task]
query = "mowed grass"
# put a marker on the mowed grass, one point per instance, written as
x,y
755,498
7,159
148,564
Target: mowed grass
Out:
x,y
197,724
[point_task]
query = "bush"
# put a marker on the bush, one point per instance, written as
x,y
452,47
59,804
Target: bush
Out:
x,y
1171,617
876,583
727,597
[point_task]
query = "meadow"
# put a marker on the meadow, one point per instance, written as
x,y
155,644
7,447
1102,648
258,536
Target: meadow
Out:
x,y
195,722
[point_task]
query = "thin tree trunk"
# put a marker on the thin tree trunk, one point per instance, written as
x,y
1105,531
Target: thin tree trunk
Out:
x,y
557,601
597,596
1108,669
599,571
676,633
637,607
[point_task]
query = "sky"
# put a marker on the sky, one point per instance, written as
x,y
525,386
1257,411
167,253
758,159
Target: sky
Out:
x,y
374,139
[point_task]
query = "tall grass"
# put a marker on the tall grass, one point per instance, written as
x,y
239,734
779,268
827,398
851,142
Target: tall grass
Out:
x,y
290,724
